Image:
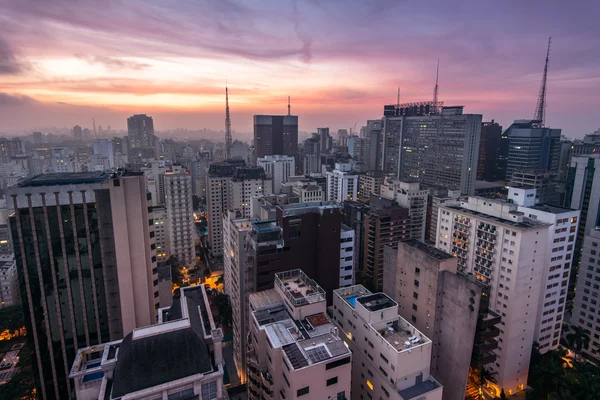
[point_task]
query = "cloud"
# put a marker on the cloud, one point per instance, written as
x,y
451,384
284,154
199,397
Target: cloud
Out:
x,y
13,100
112,62
10,63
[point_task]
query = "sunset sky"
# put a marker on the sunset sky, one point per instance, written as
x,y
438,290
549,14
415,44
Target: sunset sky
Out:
x,y
64,62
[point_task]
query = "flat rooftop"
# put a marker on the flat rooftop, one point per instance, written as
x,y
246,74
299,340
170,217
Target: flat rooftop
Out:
x,y
376,302
419,389
299,288
64,178
527,223
427,249
552,208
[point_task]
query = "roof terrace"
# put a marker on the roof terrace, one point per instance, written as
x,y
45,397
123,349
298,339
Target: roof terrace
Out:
x,y
299,288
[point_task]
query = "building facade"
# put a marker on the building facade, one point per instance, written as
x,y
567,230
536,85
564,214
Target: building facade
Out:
x,y
409,195
9,281
180,218
275,135
161,233
369,184
502,247
88,237
245,183
342,183
491,164
278,169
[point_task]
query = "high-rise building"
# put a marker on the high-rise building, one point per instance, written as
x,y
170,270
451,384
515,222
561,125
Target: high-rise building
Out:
x,y
441,149
161,232
491,165
342,183
391,144
390,357
275,135
179,358
409,195
103,158
245,183
100,285
9,282
218,179
586,313
142,142
555,279
549,189
372,148
312,156
325,140
180,218
354,217
77,134
199,168
38,137
294,349
502,247
384,225
278,169
62,160
583,193
347,258
369,184
532,147
436,198
447,306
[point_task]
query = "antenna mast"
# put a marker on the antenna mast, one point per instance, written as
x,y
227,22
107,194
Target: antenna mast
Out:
x,y
436,87
398,99
540,110
289,108
227,125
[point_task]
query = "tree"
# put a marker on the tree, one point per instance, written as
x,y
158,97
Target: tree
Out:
x,y
502,394
578,339
11,318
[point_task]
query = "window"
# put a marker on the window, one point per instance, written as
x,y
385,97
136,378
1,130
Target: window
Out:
x,y
415,295
186,394
332,381
416,283
209,390
302,392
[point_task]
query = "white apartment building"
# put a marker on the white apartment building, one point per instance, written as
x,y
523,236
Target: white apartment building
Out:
x,y
61,160
9,281
161,232
409,195
294,351
390,357
103,150
278,168
562,235
246,183
586,311
369,184
181,357
217,200
236,285
342,183
347,262
304,188
501,246
180,219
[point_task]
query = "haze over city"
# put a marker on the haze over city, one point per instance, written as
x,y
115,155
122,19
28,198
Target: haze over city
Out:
x,y
63,62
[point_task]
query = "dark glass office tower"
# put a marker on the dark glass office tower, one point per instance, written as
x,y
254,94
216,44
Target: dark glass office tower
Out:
x,y
275,135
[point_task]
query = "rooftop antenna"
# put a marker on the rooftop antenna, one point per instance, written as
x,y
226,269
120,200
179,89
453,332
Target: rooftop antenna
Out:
x,y
227,124
540,110
94,123
398,99
289,108
435,89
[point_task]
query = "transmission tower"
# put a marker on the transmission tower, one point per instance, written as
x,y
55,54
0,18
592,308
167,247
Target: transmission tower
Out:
x,y
540,110
436,87
227,126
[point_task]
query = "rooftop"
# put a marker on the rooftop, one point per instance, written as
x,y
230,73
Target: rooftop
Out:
x,y
243,173
527,223
299,288
376,302
419,389
552,208
429,250
310,206
64,178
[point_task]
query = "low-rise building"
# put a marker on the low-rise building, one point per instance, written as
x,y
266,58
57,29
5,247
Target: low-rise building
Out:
x,y
390,357
294,350
9,281
179,358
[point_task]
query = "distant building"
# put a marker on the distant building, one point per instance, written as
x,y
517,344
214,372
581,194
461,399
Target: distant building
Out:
x,y
161,232
354,217
409,195
38,137
549,189
586,313
342,183
491,165
62,160
77,133
275,135
445,305
9,281
180,219
93,219
531,147
390,357
369,183
245,183
104,148
311,163
278,168
181,357
294,349
140,132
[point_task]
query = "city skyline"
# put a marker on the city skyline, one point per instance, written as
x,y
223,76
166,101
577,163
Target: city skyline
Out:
x,y
109,62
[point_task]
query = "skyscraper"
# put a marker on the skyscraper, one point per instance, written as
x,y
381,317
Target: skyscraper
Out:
x,y
278,169
342,183
77,133
491,166
532,147
275,135
180,221
140,132
84,246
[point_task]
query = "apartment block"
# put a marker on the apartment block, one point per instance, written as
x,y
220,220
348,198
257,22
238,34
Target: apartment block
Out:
x,y
436,198
82,220
347,260
562,235
354,217
390,357
245,183
342,183
369,184
502,247
179,358
180,218
586,313
161,233
409,195
294,351
9,281
278,168
448,306
384,225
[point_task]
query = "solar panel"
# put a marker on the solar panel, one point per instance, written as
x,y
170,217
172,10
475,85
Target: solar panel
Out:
x,y
318,354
